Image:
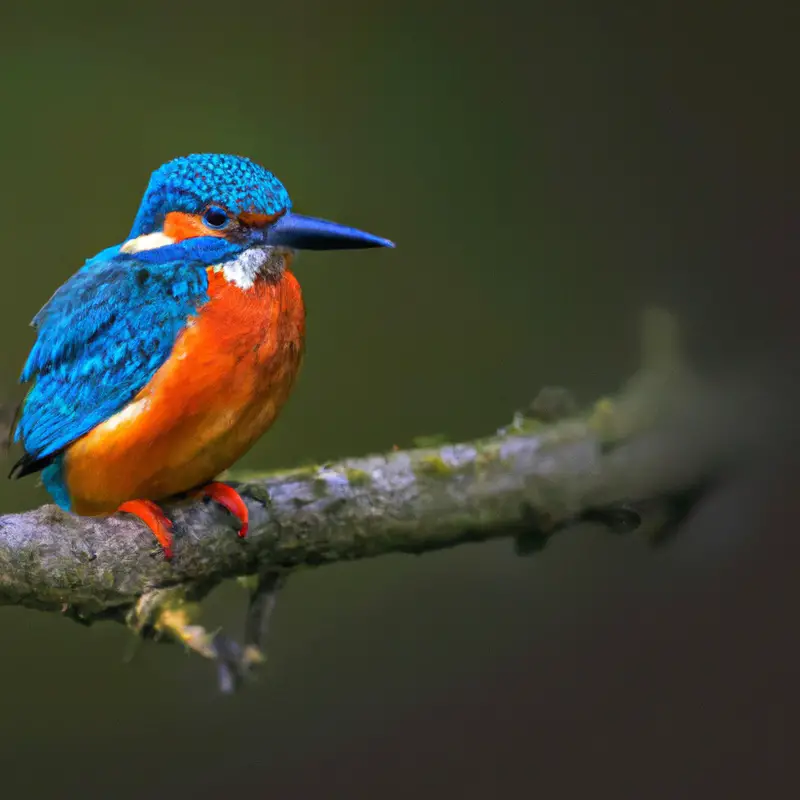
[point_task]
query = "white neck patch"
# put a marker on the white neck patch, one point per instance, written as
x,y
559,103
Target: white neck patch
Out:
x,y
243,270
147,241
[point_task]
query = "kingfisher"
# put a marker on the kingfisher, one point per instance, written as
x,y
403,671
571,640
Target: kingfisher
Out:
x,y
164,358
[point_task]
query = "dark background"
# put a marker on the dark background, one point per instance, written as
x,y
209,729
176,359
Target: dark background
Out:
x,y
547,171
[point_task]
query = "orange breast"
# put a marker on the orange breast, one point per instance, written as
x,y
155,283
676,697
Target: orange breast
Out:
x,y
228,376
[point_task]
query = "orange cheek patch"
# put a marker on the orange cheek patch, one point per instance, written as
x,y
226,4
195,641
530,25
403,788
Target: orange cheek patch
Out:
x,y
179,226
259,220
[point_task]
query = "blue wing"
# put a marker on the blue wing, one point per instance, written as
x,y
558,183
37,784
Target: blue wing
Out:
x,y
101,338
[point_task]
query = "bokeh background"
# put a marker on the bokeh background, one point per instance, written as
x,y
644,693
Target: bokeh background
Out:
x,y
547,170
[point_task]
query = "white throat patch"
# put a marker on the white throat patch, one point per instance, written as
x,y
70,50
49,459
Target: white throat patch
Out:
x,y
248,265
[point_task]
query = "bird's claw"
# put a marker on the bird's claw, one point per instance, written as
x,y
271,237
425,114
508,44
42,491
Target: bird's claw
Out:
x,y
161,526
156,520
231,500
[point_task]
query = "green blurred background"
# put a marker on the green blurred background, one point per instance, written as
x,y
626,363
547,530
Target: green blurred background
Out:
x,y
546,170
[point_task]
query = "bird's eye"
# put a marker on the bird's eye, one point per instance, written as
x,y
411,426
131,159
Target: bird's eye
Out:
x,y
216,218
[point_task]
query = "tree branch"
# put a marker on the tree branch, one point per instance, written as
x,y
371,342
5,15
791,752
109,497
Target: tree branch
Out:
x,y
542,472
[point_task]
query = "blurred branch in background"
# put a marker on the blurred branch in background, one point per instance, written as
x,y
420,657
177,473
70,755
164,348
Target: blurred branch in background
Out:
x,y
634,461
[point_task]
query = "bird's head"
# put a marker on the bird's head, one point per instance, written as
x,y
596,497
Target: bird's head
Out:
x,y
225,205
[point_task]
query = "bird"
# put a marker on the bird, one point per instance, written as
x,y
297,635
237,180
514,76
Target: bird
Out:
x,y
165,357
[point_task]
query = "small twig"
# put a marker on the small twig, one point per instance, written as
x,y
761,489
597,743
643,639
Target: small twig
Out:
x,y
260,608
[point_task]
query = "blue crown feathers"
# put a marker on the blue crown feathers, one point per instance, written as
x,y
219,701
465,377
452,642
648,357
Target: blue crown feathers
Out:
x,y
191,182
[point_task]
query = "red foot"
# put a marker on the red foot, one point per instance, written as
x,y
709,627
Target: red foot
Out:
x,y
230,499
155,519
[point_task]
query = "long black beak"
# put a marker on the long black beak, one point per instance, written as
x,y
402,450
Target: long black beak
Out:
x,y
309,233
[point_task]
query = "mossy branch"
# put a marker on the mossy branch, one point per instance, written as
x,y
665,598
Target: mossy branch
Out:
x,y
552,466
